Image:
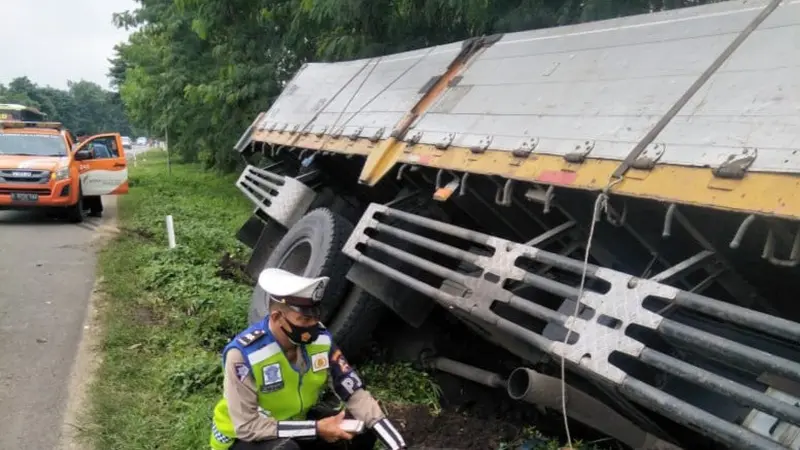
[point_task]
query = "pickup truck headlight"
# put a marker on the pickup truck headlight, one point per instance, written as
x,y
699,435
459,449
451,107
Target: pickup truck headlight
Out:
x,y
61,174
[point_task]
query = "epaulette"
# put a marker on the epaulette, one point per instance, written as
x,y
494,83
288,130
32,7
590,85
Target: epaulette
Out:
x,y
250,337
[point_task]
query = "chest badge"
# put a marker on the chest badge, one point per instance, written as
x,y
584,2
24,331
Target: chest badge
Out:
x,y
319,361
273,378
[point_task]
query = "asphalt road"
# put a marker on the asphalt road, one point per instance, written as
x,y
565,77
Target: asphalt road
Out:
x,y
47,272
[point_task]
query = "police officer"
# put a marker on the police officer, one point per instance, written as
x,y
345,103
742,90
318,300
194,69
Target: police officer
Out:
x,y
275,372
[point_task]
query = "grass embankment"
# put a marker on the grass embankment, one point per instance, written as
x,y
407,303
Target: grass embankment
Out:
x,y
168,313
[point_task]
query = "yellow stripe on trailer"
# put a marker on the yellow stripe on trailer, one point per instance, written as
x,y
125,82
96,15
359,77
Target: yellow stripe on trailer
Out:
x,y
769,194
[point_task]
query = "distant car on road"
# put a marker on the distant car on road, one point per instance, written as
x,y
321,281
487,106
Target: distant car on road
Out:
x,y
127,143
141,141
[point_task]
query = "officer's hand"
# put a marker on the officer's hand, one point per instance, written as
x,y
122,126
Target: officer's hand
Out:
x,y
330,429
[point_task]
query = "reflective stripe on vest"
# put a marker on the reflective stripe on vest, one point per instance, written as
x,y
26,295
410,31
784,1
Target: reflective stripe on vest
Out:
x,y
283,394
219,436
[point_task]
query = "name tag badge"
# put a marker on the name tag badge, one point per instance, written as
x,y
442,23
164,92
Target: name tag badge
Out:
x,y
319,361
273,378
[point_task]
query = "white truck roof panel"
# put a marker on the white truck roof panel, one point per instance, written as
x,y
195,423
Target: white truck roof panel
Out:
x,y
369,95
604,83
752,101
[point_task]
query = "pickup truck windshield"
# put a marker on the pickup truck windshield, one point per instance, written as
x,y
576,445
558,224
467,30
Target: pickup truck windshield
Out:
x,y
32,145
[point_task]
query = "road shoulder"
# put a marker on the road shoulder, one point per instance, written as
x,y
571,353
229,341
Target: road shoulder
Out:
x,y
88,358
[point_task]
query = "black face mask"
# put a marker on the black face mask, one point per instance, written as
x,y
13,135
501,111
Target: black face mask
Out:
x,y
301,335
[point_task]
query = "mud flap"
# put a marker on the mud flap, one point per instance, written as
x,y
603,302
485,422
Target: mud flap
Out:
x,y
414,308
271,233
616,300
251,231
404,301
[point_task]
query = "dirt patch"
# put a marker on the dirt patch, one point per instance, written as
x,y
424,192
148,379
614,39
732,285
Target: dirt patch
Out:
x,y
231,268
141,233
475,416
450,429
145,316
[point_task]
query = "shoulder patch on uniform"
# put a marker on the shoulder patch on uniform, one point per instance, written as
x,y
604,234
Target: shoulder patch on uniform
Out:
x,y
319,361
250,337
242,371
339,359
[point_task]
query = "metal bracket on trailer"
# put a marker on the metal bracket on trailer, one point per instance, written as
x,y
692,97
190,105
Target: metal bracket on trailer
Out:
x,y
648,159
736,165
601,334
283,199
581,153
247,137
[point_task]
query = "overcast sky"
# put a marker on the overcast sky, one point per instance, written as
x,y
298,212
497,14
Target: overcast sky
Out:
x,y
52,41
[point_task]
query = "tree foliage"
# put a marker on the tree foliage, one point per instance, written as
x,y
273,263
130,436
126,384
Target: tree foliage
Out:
x,y
201,70
84,106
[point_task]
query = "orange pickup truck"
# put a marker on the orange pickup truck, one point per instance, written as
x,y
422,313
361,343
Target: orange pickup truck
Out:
x,y
41,167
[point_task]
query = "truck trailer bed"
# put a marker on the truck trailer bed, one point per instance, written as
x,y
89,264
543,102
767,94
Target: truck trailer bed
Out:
x,y
567,106
631,184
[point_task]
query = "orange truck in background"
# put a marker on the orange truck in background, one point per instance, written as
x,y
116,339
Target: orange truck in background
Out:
x,y
42,167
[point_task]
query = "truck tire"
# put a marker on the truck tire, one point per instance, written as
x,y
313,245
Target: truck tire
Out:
x,y
76,213
312,247
355,321
328,198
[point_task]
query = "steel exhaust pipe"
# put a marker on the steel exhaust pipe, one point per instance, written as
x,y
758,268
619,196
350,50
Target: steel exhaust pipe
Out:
x,y
533,387
467,371
542,390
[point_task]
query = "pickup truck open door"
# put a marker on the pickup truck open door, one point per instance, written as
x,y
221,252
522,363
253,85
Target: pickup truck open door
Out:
x,y
102,165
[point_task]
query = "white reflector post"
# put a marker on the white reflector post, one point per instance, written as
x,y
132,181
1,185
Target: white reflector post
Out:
x,y
170,232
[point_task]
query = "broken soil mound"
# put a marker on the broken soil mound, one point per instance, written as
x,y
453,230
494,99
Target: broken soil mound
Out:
x,y
450,430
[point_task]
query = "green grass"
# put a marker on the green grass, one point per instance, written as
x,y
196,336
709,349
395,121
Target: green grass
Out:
x,y
533,439
401,384
167,314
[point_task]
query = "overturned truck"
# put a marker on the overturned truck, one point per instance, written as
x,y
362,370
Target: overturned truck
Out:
x,y
621,197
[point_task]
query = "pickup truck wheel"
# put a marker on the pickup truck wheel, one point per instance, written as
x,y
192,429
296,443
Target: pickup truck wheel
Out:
x,y
312,247
76,213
